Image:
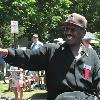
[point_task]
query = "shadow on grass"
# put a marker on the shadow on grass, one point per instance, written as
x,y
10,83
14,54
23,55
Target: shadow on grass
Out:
x,y
38,96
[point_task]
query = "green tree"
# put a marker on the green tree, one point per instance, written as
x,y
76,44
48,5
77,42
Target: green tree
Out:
x,y
44,17
40,16
91,10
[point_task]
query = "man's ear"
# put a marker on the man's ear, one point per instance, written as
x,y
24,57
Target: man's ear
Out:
x,y
83,35
84,32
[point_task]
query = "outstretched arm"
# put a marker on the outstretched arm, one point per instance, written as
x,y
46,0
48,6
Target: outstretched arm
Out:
x,y
27,59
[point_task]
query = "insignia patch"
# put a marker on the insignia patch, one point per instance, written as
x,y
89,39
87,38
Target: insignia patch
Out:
x,y
87,67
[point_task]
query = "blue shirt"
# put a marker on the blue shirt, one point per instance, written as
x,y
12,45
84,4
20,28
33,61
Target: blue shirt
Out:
x,y
1,59
36,45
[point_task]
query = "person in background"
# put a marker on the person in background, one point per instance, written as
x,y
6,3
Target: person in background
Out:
x,y
21,82
35,45
2,67
16,81
87,41
72,70
35,42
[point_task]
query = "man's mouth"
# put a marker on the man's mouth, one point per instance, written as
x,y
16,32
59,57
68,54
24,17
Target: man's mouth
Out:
x,y
69,37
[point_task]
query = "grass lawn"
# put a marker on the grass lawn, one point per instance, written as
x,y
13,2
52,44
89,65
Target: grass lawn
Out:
x,y
34,94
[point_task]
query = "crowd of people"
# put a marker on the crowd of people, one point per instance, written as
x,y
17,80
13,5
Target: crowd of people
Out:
x,y
72,68
22,80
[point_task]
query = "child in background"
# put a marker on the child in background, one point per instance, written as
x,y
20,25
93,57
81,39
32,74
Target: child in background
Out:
x,y
16,79
20,83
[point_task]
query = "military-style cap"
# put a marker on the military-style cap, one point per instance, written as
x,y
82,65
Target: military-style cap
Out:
x,y
77,20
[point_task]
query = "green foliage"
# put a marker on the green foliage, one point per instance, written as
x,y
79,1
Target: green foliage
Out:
x,y
91,10
44,17
34,94
97,34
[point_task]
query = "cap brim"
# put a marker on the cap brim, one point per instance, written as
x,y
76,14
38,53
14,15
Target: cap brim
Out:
x,y
71,24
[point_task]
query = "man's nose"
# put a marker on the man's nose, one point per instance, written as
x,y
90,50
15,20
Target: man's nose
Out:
x,y
68,31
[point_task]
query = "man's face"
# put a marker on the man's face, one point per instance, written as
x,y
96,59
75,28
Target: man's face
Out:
x,y
73,34
34,39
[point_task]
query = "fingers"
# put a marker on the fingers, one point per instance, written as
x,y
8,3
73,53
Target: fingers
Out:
x,y
3,52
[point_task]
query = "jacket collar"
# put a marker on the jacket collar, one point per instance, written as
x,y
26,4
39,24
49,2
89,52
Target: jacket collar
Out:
x,y
84,49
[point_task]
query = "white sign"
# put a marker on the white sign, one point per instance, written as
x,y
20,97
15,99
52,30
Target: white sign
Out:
x,y
14,26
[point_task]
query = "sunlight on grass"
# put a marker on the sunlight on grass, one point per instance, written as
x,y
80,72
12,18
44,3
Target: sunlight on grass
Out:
x,y
26,95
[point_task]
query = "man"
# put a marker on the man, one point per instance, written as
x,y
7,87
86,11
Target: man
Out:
x,y
35,45
72,70
35,42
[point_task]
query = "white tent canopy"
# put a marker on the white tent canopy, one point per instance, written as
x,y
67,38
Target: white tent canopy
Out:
x,y
89,35
94,41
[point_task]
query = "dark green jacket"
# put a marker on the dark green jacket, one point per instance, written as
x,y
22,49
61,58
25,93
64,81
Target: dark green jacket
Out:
x,y
63,72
